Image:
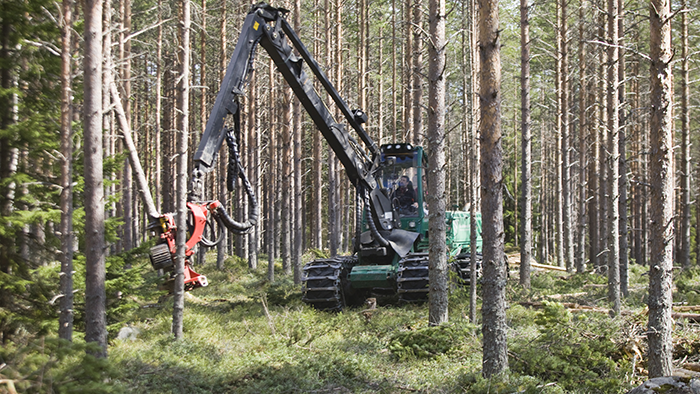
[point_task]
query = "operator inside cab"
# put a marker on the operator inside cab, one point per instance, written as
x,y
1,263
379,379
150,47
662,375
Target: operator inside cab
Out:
x,y
405,195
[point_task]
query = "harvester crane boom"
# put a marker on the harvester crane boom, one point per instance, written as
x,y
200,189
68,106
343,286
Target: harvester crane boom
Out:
x,y
267,26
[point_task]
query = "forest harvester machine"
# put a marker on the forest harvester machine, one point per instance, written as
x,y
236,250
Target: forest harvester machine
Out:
x,y
391,237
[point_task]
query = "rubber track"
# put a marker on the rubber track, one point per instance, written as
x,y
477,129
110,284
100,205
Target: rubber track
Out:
x,y
412,279
463,267
321,284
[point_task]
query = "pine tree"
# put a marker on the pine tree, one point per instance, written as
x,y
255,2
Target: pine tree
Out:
x,y
661,182
181,193
65,320
95,297
495,357
526,146
438,312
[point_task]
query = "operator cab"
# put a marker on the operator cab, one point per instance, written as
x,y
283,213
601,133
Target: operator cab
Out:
x,y
403,179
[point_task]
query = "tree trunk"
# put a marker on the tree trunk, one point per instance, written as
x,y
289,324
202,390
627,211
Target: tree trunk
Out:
x,y
223,152
603,187
637,188
558,152
495,356
127,240
474,176
614,157
287,180
108,138
593,172
65,316
254,165
298,187
139,174
95,315
407,64
203,69
394,77
438,312
182,146
362,53
417,74
380,89
567,212
622,162
526,146
661,173
317,165
684,230
332,187
583,133
271,183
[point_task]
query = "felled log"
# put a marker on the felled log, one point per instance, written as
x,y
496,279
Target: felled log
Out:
x,y
514,259
692,317
572,307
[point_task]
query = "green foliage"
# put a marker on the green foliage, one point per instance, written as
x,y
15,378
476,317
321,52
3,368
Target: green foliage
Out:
x,y
51,365
124,281
552,282
688,286
29,194
283,292
429,342
475,383
581,353
320,253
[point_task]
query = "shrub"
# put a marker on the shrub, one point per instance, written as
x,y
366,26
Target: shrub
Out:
x,y
580,353
688,285
51,365
428,342
474,383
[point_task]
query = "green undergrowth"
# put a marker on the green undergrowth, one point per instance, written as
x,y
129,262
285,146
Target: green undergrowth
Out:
x,y
50,365
246,335
688,286
243,334
579,352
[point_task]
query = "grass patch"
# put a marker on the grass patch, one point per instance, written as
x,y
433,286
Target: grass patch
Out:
x,y
243,334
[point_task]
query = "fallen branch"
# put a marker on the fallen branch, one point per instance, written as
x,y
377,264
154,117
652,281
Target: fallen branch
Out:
x,y
10,385
687,308
514,259
693,317
270,322
560,296
573,307
548,267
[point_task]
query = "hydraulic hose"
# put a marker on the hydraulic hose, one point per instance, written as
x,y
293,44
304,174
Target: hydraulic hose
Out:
x,y
235,169
372,226
359,202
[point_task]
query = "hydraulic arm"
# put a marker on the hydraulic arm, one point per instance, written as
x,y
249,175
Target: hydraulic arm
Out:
x,y
267,26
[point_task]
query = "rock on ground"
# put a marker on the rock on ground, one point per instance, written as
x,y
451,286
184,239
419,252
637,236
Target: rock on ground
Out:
x,y
669,385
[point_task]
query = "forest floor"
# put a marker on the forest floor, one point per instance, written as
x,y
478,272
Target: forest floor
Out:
x,y
245,335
